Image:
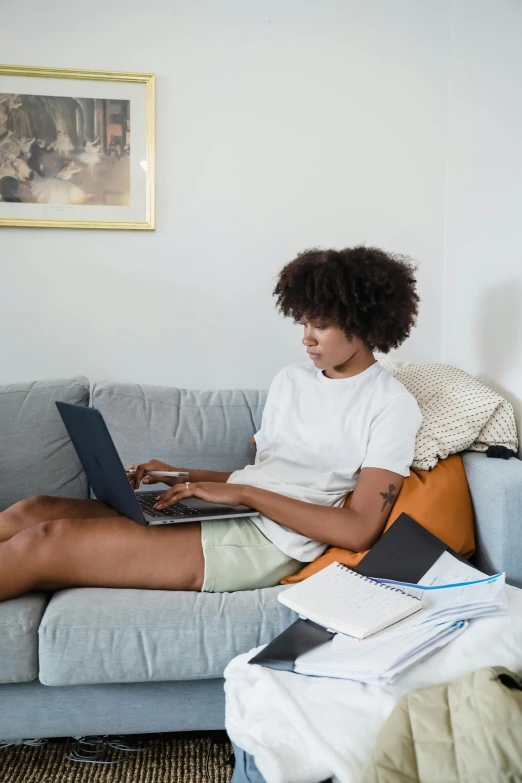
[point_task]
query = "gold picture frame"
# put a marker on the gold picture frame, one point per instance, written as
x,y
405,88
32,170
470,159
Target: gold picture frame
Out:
x,y
59,197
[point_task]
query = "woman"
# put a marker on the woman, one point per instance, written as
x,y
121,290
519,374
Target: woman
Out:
x,y
334,423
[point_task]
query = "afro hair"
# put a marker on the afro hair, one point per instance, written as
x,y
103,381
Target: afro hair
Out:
x,y
366,292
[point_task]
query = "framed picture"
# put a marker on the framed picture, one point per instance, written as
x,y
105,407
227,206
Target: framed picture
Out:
x,y
77,148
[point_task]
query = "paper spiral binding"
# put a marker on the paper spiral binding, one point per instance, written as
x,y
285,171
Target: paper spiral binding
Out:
x,y
375,582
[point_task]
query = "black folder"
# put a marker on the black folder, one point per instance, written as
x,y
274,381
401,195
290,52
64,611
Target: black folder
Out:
x,y
300,637
404,553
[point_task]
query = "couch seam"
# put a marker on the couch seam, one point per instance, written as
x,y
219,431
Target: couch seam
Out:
x,y
51,628
177,405
45,388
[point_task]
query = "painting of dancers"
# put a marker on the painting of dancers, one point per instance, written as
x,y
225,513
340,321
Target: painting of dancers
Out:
x,y
56,150
68,158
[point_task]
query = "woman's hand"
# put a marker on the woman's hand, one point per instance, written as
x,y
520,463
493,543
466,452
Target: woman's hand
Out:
x,y
230,494
140,474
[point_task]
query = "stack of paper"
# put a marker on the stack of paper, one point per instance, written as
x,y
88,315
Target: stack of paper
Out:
x,y
379,659
452,590
452,594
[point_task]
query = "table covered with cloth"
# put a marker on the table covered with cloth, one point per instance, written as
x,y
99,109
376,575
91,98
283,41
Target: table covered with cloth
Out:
x,y
302,729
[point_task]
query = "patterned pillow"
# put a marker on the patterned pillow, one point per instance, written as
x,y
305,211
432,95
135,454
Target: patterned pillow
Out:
x,y
458,411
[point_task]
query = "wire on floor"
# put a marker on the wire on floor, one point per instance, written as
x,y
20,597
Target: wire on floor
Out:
x,y
207,762
36,742
91,750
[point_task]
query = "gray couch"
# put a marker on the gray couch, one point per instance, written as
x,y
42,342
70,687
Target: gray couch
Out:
x,y
104,661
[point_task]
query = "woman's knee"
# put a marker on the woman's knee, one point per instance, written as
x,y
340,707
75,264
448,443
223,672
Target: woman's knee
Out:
x,y
34,507
41,540
35,553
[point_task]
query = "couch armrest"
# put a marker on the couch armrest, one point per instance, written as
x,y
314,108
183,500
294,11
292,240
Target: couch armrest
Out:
x,y
496,491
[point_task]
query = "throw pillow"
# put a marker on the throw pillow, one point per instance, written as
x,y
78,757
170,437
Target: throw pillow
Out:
x,y
439,500
458,412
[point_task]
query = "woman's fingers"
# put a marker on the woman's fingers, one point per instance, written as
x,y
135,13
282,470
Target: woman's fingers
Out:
x,y
141,471
175,494
231,494
153,479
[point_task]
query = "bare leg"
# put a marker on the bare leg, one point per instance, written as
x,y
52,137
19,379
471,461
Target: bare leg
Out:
x,y
42,508
112,552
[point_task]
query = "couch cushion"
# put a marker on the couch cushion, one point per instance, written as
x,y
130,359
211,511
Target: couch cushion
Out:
x,y
207,429
36,455
19,621
98,635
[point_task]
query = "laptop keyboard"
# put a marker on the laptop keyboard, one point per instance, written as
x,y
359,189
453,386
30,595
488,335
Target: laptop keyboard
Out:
x,y
147,500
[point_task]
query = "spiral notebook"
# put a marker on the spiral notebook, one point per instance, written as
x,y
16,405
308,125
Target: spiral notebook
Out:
x,y
405,552
344,601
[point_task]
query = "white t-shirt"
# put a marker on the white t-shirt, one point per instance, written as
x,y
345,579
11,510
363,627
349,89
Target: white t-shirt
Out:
x,y
316,435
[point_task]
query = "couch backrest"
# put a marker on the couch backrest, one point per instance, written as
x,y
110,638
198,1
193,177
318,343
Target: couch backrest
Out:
x,y
36,455
193,429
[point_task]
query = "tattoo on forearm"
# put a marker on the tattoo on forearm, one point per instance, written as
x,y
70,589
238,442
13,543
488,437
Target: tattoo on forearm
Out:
x,y
388,497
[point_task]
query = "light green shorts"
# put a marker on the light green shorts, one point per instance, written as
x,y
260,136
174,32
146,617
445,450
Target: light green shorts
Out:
x,y
239,557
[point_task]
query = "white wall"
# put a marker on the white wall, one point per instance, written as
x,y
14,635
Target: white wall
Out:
x,y
281,124
483,287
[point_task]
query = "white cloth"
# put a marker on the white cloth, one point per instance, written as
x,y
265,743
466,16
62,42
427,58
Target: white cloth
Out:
x,y
316,435
307,729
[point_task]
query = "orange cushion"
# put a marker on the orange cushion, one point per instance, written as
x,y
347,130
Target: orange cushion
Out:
x,y
439,500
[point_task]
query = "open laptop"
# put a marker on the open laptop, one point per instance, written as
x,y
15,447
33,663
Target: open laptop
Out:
x,y
109,482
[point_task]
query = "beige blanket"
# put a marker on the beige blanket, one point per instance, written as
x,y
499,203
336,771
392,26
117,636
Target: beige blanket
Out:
x,y
460,732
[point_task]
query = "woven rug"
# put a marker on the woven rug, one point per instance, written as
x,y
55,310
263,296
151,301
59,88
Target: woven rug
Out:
x,y
156,761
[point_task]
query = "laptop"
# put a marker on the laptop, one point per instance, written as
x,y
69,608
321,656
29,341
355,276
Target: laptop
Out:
x,y
95,448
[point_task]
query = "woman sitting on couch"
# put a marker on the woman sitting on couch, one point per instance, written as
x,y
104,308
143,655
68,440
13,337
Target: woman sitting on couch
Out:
x,y
334,423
